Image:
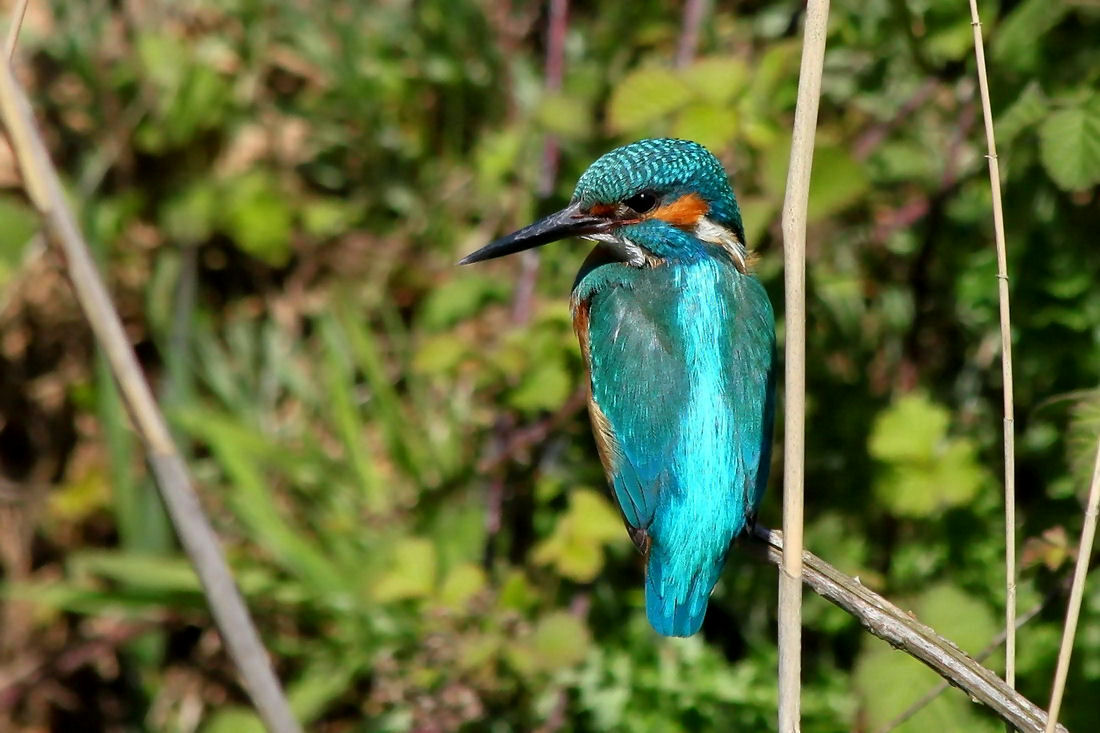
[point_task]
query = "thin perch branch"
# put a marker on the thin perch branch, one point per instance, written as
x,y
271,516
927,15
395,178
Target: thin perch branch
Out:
x,y
1073,612
1006,354
981,656
903,631
795,204
195,533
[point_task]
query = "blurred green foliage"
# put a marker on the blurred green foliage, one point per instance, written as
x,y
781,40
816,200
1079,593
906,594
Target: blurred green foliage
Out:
x,y
396,456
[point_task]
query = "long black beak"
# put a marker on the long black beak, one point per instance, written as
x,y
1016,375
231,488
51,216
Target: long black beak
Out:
x,y
569,222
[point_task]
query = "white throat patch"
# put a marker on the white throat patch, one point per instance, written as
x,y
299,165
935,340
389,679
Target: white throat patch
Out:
x,y
713,232
624,249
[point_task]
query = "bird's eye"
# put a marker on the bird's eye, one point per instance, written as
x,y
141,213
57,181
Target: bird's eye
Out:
x,y
641,202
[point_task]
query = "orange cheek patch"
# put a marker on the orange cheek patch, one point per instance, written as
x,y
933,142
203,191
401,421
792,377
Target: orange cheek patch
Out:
x,y
684,211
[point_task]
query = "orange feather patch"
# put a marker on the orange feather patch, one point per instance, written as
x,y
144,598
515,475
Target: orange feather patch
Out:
x,y
580,326
685,211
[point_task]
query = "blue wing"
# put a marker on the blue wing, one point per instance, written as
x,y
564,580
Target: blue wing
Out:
x,y
681,364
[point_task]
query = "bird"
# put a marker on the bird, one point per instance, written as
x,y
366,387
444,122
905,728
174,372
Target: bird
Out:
x,y
678,339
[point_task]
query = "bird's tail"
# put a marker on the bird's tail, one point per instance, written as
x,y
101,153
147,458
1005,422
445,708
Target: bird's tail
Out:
x,y
676,592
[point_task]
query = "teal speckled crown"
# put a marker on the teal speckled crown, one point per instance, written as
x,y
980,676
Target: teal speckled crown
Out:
x,y
670,165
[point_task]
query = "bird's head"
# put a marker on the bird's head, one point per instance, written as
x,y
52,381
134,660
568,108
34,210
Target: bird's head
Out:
x,y
647,202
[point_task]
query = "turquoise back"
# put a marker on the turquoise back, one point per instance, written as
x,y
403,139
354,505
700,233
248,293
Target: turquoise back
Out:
x,y
681,360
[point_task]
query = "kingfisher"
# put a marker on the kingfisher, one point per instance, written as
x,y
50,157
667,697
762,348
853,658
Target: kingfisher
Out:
x,y
678,338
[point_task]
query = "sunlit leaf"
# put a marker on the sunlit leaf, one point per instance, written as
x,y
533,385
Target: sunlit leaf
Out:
x,y
575,547
544,387
566,116
924,470
460,298
411,573
717,79
838,182
1070,145
463,583
258,217
711,125
909,430
643,97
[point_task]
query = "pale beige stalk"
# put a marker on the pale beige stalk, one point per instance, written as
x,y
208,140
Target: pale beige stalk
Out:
x,y
795,204
13,30
1006,355
1073,612
197,536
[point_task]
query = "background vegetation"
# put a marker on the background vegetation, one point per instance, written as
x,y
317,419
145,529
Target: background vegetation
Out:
x,y
395,451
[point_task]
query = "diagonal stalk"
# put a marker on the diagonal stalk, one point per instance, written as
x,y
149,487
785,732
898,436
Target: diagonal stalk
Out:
x,y
1073,612
13,31
43,186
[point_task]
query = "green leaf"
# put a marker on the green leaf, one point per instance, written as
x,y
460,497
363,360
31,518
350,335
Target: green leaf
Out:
x,y
643,97
1028,109
17,225
190,216
463,583
565,116
757,212
717,79
497,157
593,516
1084,431
953,42
575,547
711,125
1018,42
544,387
925,471
1070,145
439,354
317,686
327,217
411,572
909,430
888,682
957,615
560,640
237,448
153,573
460,298
258,217
838,181
233,720
164,59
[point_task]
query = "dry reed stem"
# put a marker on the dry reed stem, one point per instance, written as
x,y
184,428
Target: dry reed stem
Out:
x,y
1073,611
902,631
194,530
13,31
1006,354
795,204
